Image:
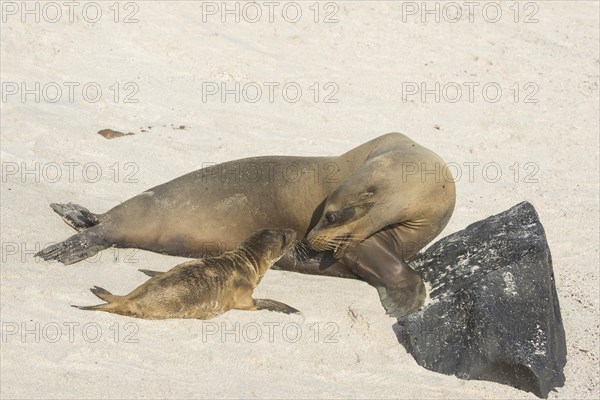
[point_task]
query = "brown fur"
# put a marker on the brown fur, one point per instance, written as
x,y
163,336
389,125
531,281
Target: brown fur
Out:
x,y
207,287
387,201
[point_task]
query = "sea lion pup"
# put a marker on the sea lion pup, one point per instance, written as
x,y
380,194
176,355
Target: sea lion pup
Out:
x,y
362,214
207,287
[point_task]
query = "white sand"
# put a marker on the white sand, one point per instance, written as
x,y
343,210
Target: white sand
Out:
x,y
368,54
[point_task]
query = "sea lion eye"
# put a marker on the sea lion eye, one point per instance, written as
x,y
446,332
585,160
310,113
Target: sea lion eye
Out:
x,y
330,217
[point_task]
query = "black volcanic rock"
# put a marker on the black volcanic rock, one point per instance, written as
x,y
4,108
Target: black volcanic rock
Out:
x,y
493,312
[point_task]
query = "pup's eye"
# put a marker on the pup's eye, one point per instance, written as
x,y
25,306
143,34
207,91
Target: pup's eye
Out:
x,y
330,217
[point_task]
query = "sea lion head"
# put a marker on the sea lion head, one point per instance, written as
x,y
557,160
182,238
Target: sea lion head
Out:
x,y
365,202
267,246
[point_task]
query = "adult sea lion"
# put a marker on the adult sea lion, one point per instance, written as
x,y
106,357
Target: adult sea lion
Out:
x,y
207,287
362,214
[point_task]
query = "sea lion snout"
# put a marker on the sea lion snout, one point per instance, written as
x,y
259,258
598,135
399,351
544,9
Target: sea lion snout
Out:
x,y
278,241
286,239
336,240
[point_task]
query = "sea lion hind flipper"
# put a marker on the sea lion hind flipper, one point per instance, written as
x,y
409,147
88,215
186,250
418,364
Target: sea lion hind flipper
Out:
x,y
150,273
76,216
99,307
76,248
273,305
103,294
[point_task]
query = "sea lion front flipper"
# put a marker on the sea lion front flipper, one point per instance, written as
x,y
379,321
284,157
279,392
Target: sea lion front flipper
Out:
x,y
150,273
378,261
400,302
273,305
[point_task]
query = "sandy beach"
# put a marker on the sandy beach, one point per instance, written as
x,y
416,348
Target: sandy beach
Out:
x,y
507,93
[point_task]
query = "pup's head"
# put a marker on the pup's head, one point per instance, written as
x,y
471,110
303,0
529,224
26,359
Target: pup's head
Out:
x,y
269,245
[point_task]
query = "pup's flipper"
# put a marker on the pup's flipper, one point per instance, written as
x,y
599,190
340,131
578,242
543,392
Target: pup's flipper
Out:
x,y
273,305
151,273
112,301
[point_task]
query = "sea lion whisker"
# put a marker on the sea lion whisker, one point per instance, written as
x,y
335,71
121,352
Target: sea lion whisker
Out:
x,y
303,249
300,247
